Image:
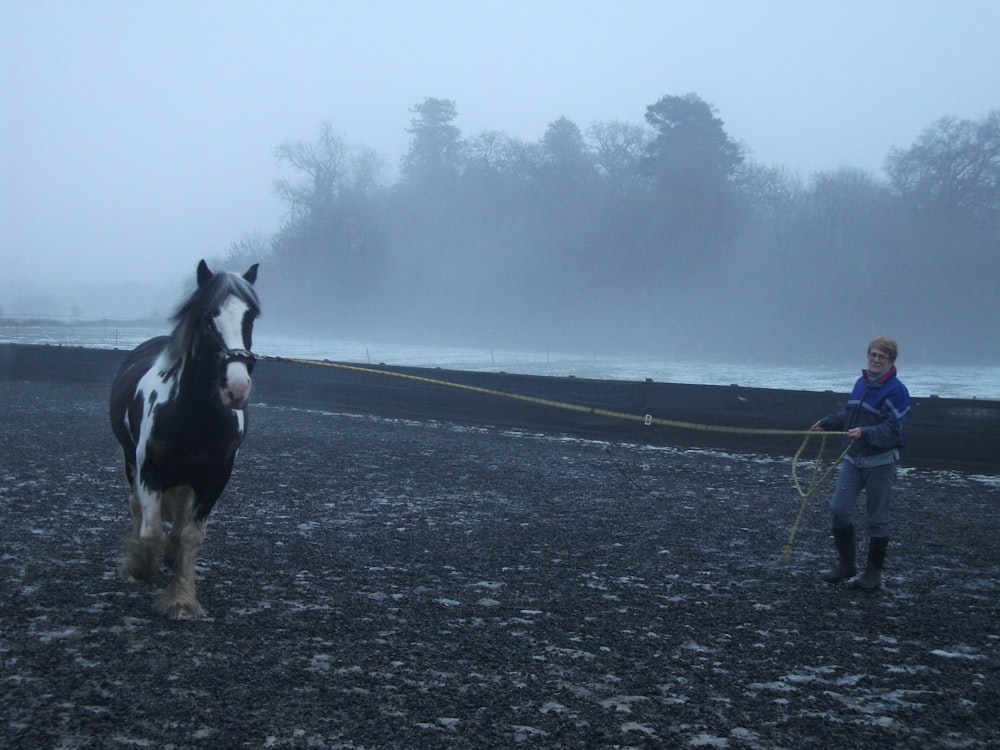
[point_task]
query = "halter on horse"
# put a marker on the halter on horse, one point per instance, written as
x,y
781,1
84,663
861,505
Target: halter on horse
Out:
x,y
178,409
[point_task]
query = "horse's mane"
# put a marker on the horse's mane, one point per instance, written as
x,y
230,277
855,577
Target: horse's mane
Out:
x,y
190,314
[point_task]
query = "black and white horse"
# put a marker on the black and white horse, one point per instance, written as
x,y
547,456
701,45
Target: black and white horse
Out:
x,y
178,409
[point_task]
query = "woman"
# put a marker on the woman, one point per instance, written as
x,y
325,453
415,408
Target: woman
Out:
x,y
874,419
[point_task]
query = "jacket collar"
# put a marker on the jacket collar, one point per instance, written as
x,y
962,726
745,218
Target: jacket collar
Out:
x,y
882,379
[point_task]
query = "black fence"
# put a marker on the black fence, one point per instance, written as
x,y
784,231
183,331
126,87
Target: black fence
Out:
x,y
943,433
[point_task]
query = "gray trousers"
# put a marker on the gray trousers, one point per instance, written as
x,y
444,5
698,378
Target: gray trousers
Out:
x,y
877,482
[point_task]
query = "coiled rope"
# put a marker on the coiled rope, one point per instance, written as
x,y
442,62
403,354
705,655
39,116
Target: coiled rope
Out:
x,y
815,480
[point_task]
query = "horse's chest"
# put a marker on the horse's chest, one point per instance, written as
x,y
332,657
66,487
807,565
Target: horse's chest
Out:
x,y
187,444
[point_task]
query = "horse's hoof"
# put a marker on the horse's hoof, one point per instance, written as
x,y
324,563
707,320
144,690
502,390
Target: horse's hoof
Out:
x,y
142,558
180,609
126,577
184,613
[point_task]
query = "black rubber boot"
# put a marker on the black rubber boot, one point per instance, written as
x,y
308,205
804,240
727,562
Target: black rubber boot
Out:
x,y
843,540
871,579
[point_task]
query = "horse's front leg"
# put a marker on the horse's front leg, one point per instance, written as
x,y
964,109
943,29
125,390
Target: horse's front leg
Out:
x,y
180,599
143,547
177,504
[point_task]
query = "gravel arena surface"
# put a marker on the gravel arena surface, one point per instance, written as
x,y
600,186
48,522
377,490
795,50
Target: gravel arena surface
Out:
x,y
375,583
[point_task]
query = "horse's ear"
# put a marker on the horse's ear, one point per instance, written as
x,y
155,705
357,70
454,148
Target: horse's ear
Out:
x,y
204,275
251,274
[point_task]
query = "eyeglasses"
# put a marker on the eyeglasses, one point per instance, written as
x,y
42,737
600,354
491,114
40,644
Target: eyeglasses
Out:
x,y
877,355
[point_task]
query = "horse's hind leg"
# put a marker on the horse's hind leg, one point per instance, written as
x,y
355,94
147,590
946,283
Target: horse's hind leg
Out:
x,y
143,547
180,599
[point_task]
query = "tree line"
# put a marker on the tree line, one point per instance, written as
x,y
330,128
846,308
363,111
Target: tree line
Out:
x,y
660,237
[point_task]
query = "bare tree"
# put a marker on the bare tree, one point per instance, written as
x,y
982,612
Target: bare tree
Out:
x,y
955,164
618,148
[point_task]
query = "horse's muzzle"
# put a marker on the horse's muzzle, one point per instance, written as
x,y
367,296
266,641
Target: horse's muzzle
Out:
x,y
236,384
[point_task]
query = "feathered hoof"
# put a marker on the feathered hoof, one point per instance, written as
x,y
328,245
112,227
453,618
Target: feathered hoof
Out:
x,y
142,559
179,601
181,612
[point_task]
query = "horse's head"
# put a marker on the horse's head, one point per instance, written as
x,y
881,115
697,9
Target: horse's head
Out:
x,y
218,320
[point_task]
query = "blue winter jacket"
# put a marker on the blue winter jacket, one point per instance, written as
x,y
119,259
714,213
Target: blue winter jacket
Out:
x,y
880,406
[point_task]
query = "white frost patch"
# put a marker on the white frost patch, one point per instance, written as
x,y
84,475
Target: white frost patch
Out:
x,y
850,679
781,687
623,703
690,645
799,678
320,662
53,635
959,652
992,481
743,734
633,726
523,733
133,741
262,606
708,740
491,585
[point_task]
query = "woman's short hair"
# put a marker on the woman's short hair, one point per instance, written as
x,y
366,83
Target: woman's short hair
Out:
x,y
885,345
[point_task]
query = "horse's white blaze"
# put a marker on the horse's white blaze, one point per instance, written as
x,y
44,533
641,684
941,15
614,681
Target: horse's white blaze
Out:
x,y
229,324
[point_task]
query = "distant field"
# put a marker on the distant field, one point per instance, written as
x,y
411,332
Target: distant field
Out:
x,y
102,334
953,381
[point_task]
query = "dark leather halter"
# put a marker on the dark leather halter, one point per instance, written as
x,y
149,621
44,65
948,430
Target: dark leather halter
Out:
x,y
227,355
245,356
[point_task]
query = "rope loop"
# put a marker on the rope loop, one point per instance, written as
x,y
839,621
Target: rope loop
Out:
x,y
814,482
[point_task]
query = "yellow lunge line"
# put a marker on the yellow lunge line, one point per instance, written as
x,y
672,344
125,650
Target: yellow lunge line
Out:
x,y
815,481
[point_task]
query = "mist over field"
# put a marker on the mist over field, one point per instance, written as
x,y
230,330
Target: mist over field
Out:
x,y
717,182
664,238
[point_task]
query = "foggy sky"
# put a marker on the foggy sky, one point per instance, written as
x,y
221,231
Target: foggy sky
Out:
x,y
137,138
